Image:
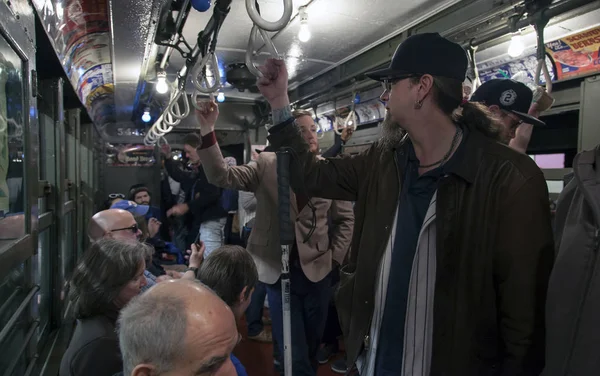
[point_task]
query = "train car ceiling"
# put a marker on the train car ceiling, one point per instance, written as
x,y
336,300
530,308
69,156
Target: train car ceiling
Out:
x,y
326,70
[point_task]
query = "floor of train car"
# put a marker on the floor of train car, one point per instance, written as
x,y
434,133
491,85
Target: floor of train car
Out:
x,y
257,357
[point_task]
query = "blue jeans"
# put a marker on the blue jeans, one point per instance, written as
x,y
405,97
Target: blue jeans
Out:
x,y
254,312
309,302
212,233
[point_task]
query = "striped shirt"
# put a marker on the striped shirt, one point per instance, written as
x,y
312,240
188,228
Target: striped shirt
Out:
x,y
419,316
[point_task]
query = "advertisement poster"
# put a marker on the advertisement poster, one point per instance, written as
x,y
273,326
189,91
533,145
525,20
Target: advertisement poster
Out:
x,y
89,51
84,17
576,54
568,57
507,68
129,155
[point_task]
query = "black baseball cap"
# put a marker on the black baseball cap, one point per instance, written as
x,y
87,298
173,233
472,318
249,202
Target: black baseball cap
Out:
x,y
510,95
427,53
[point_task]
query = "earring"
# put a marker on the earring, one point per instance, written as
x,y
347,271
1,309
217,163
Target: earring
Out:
x,y
418,104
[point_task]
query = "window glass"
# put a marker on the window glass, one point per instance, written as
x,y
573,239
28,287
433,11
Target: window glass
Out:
x,y
12,157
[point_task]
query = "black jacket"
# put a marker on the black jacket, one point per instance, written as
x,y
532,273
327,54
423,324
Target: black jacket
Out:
x,y
573,308
203,198
494,248
94,348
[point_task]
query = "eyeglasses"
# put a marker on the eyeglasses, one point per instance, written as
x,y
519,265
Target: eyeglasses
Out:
x,y
134,229
112,196
515,122
387,84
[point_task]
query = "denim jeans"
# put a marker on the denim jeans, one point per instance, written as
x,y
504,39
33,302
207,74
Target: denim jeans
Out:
x,y
212,233
254,312
309,302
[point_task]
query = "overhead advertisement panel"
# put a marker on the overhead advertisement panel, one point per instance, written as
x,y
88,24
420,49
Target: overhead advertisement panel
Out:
x,y
576,54
80,33
568,57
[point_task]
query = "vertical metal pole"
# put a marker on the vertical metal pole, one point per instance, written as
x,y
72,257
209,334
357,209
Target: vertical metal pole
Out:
x,y
286,238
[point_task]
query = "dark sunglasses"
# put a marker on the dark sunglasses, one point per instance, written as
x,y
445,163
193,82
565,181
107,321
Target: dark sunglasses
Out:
x,y
116,195
134,229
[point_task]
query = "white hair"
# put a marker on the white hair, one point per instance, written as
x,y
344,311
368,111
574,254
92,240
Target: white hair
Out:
x,y
152,329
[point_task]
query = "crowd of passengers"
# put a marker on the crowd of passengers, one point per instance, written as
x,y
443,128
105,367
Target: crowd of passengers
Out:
x,y
437,241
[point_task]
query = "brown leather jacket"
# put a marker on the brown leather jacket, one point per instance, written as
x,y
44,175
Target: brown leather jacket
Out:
x,y
494,251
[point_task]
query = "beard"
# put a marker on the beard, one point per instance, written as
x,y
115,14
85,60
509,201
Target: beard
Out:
x,y
391,132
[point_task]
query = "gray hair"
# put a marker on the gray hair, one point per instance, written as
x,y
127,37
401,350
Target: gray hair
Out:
x,y
227,271
152,329
105,268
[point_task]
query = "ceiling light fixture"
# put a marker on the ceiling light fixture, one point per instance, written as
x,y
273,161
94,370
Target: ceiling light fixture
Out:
x,y
162,87
304,32
516,46
146,117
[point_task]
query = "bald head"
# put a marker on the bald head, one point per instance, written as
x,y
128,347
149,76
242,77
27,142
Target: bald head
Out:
x,y
197,332
105,223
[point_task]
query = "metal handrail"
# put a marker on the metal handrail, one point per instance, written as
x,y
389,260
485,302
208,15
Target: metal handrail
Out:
x,y
13,319
267,25
10,369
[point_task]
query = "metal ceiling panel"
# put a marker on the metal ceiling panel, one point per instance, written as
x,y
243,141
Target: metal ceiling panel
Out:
x,y
132,23
339,27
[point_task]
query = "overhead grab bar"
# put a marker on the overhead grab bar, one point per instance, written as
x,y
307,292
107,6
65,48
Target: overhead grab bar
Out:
x,y
250,50
255,16
350,120
207,41
174,106
199,78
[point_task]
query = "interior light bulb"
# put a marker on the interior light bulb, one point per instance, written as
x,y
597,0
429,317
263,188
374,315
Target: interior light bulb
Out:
x,y
516,47
304,33
146,116
350,123
161,85
220,97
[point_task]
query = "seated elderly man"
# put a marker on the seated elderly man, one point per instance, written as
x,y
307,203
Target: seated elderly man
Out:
x,y
179,327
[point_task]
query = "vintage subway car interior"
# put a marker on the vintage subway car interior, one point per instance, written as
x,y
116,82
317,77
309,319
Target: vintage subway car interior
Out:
x,y
90,90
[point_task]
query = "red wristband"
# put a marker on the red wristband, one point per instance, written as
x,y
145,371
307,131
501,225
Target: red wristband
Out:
x,y
208,140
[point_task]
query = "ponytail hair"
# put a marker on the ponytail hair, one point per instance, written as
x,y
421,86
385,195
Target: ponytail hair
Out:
x,y
476,116
448,95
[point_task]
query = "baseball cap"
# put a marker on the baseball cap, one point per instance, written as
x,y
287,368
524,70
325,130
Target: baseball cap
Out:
x,y
132,207
510,95
427,53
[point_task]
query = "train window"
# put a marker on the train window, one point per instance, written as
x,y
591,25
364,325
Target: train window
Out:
x,y
549,160
12,157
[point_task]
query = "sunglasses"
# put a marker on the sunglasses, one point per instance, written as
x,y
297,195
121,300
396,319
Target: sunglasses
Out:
x,y
116,195
134,229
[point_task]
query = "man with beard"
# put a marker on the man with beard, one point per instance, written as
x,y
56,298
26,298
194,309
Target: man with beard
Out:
x,y
453,245
509,101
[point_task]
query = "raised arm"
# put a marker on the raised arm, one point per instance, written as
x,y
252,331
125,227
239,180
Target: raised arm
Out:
x,y
218,172
331,178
